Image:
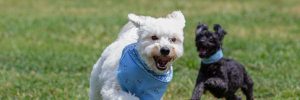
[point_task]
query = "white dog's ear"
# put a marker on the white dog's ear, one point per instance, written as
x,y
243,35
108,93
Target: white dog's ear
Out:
x,y
136,20
178,16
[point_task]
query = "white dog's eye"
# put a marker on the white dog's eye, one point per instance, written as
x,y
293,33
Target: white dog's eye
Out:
x,y
154,37
173,39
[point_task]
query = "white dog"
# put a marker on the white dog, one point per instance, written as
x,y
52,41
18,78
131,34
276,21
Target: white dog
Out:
x,y
138,65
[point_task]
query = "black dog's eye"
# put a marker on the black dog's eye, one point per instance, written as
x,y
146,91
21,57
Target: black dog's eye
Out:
x,y
154,37
173,39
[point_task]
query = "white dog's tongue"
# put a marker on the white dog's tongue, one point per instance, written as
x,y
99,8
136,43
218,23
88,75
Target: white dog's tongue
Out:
x,y
161,62
161,65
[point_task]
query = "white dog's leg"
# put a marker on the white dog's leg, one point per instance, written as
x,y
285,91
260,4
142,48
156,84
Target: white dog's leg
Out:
x,y
103,82
111,90
95,87
95,83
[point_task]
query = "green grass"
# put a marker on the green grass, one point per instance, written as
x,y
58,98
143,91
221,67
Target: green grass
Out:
x,y
48,47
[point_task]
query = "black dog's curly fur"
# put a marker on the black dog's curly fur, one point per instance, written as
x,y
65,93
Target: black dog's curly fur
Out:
x,y
224,77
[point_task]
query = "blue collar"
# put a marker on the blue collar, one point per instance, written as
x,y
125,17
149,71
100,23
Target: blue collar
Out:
x,y
134,77
214,58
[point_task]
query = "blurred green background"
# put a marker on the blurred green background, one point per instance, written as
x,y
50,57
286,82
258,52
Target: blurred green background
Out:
x,y
48,47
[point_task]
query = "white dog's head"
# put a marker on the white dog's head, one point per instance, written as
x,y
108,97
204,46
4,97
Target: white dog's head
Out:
x,y
160,39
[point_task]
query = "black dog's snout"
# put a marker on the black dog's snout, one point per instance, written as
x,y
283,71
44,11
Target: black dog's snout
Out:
x,y
202,40
164,51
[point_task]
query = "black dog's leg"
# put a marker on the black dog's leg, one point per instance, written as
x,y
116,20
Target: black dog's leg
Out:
x,y
216,83
247,87
232,96
199,88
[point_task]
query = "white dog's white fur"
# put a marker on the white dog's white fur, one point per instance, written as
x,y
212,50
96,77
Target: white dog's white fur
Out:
x,y
140,29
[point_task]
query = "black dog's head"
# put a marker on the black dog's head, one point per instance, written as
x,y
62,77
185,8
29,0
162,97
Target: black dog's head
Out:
x,y
208,42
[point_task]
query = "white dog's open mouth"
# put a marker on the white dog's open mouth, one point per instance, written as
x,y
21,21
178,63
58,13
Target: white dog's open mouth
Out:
x,y
161,62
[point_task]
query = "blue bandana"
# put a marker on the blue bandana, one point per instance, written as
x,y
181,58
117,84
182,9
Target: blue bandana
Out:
x,y
214,58
136,79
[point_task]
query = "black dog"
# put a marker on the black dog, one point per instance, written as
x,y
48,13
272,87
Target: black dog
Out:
x,y
221,76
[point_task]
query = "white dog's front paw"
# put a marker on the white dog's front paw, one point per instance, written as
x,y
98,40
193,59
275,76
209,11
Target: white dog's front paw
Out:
x,y
114,94
127,96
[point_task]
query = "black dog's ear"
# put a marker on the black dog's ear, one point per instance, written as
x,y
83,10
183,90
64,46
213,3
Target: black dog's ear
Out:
x,y
200,28
219,31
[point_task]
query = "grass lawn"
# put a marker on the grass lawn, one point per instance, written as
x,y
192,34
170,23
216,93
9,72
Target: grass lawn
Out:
x,y
48,47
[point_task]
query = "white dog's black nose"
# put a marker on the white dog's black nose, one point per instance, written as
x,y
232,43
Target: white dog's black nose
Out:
x,y
164,51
